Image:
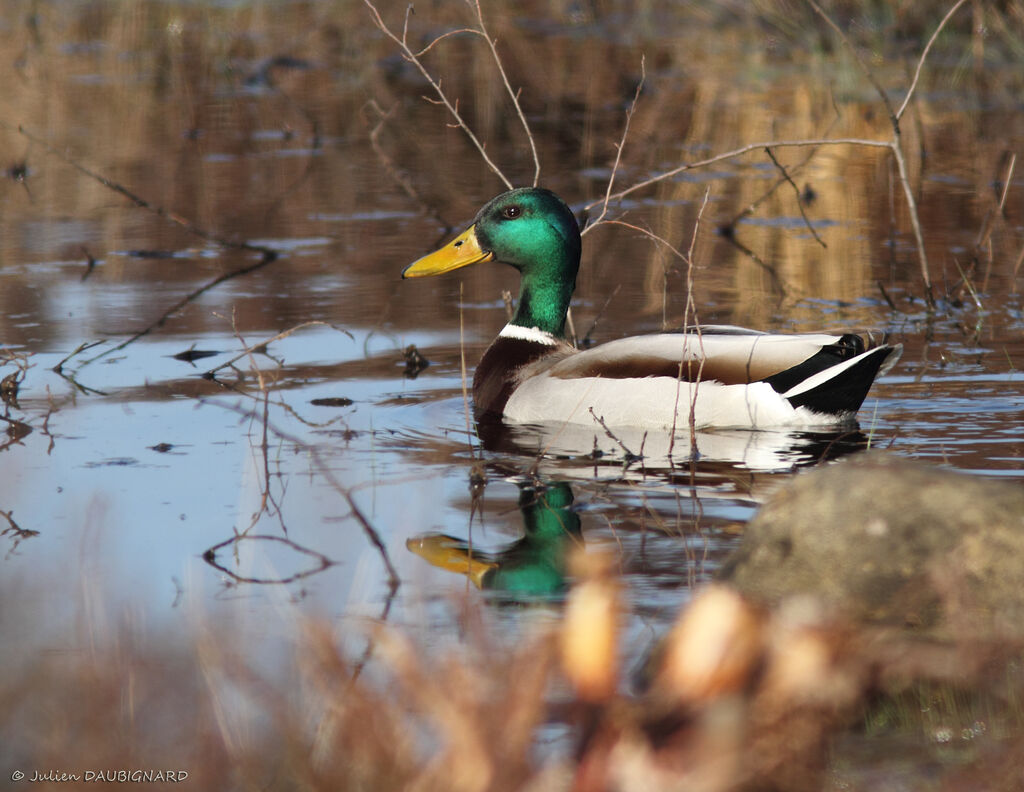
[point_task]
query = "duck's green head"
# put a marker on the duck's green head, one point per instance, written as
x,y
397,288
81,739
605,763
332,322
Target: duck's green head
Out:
x,y
534,231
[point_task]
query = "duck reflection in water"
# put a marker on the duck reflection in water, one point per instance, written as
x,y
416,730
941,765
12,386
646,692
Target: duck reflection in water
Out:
x,y
533,566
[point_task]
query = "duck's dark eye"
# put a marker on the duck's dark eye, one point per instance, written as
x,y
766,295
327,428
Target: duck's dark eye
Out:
x,y
511,212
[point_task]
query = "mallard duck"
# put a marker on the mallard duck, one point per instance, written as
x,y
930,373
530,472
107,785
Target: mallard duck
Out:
x,y
730,376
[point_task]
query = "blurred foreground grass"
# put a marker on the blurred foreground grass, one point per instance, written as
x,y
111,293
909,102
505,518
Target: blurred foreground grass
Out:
x,y
734,698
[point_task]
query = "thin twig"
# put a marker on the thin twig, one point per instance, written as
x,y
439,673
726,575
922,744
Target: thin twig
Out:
x,y
462,369
799,201
924,55
80,348
413,58
159,211
513,95
727,155
647,233
868,74
268,258
691,305
630,456
371,533
619,147
915,223
247,351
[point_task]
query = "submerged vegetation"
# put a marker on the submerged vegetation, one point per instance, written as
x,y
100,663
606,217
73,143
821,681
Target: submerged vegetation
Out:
x,y
192,180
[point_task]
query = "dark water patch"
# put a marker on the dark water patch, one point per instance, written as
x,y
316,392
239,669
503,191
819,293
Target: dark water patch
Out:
x,y
114,462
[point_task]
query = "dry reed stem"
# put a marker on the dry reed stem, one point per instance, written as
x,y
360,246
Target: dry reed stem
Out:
x,y
691,305
692,309
915,222
462,372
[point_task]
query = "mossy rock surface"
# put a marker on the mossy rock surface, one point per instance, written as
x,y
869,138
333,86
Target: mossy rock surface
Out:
x,y
885,540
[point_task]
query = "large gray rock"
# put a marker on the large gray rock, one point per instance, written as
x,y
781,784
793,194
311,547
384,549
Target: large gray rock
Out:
x,y
884,540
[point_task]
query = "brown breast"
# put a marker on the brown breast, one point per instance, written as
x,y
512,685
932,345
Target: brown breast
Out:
x,y
501,370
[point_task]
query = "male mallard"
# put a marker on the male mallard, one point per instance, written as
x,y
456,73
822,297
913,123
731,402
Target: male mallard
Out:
x,y
732,377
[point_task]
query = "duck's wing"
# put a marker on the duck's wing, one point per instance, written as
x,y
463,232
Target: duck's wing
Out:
x,y
724,354
730,379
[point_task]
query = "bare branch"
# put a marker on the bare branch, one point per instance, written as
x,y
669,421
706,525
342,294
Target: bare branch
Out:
x,y
924,54
691,309
915,223
727,155
411,56
513,95
868,74
799,200
443,36
110,184
621,145
646,232
247,352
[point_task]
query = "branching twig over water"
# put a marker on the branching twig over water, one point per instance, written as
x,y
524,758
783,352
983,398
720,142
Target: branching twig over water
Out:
x,y
268,253
371,533
415,58
894,145
618,149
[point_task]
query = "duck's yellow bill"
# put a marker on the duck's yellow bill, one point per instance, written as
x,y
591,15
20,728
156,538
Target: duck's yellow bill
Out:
x,y
460,252
447,553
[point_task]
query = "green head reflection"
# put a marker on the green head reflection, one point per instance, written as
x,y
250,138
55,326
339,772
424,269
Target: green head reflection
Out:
x,y
533,565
